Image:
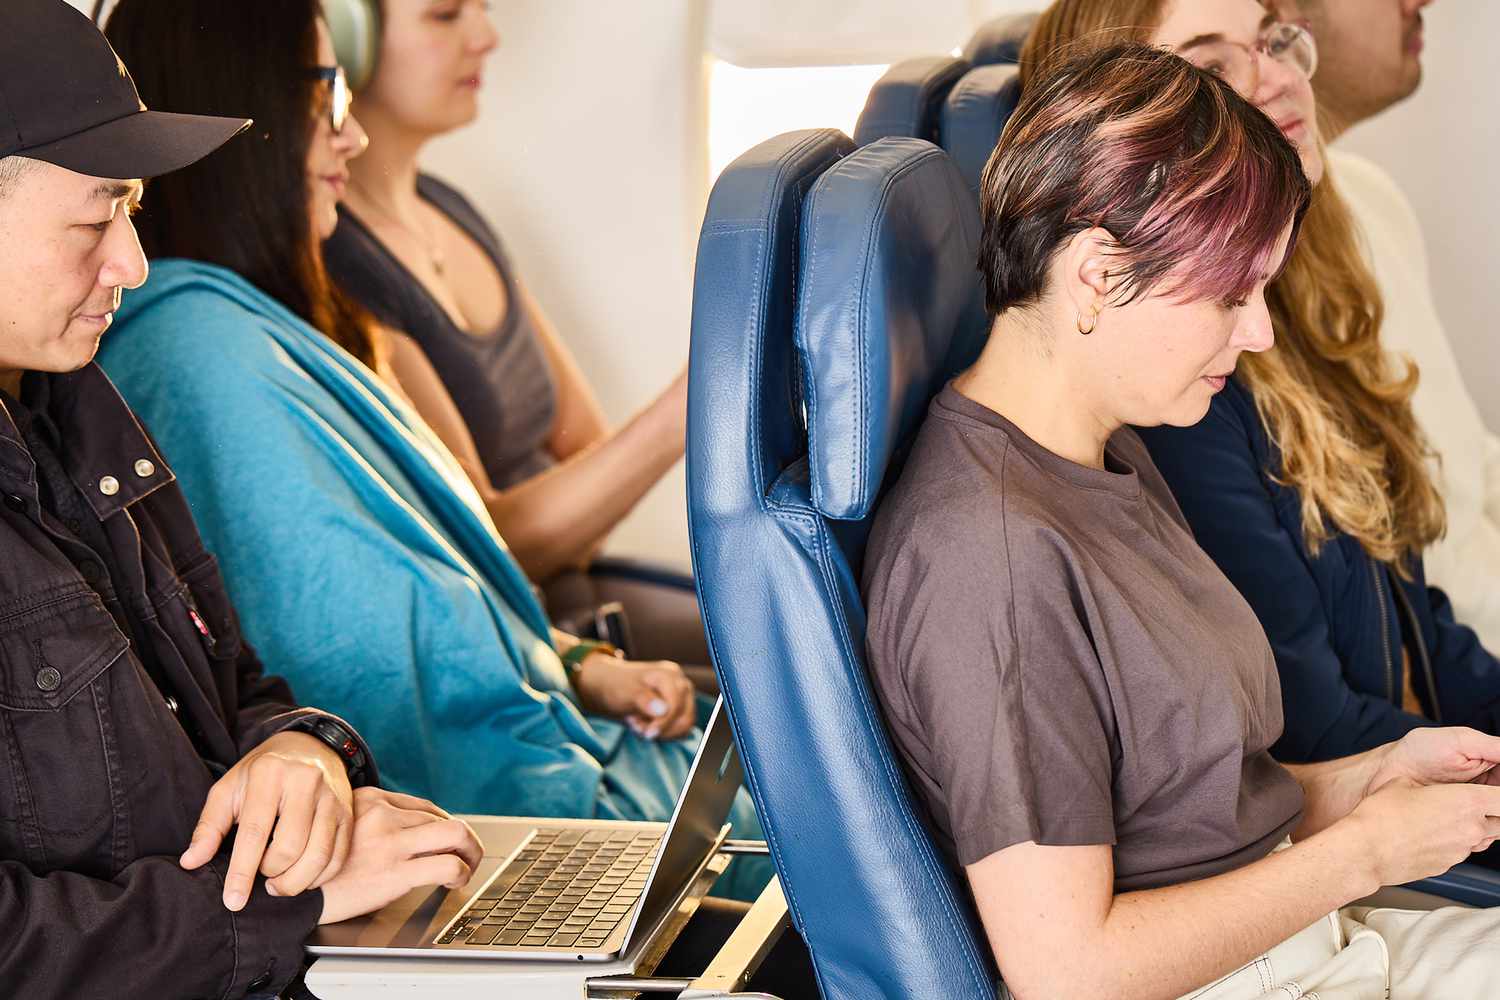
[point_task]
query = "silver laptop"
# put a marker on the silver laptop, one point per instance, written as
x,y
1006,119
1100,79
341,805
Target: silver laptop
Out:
x,y
569,890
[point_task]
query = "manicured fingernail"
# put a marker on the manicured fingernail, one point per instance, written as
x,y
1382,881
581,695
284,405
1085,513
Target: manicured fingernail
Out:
x,y
657,707
271,889
653,732
234,900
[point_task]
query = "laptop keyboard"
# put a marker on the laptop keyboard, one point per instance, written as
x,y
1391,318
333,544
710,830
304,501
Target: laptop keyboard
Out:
x,y
565,889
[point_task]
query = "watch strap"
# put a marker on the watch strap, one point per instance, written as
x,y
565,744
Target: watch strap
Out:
x,y
572,660
344,741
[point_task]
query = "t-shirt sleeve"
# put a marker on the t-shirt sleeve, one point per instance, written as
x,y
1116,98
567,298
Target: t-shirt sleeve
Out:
x,y
1000,693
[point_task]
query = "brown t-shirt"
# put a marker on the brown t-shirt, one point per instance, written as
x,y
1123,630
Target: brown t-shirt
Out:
x,y
1060,663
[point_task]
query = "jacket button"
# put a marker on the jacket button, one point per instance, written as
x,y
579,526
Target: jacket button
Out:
x,y
144,468
15,503
92,573
109,486
48,678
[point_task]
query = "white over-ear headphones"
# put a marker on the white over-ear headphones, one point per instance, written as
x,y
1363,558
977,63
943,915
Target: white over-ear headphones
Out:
x,y
355,26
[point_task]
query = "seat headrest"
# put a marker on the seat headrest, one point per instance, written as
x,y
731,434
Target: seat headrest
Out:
x,y
974,115
1000,40
889,306
908,99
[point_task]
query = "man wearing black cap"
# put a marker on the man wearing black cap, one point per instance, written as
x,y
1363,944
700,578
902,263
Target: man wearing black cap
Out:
x,y
137,729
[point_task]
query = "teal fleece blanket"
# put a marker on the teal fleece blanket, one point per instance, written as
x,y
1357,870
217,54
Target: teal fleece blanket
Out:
x,y
363,565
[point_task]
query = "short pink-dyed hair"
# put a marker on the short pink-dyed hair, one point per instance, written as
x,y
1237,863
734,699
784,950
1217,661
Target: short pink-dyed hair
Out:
x,y
1194,184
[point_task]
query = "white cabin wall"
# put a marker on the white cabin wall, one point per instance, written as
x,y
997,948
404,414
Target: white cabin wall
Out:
x,y
588,157
1443,148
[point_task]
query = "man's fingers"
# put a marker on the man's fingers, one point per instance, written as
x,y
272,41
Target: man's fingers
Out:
x,y
409,802
447,870
316,854
213,824
257,817
451,836
343,838
409,818
294,827
472,848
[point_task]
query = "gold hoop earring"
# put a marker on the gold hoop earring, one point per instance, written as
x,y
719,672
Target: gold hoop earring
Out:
x,y
1093,322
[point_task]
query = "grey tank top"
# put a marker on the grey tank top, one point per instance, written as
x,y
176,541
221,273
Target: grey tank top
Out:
x,y
499,379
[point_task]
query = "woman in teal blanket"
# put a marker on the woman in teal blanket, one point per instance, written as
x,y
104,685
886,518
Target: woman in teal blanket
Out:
x,y
363,563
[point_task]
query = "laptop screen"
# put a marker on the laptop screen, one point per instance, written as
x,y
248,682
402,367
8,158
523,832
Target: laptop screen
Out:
x,y
701,811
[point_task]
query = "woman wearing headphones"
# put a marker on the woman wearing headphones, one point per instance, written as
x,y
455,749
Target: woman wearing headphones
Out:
x,y
516,408
360,559
1308,481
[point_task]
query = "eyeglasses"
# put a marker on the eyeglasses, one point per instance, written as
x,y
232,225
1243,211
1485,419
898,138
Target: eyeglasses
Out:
x,y
1289,44
340,97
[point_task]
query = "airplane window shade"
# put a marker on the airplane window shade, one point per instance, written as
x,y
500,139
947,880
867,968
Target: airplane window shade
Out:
x,y
749,106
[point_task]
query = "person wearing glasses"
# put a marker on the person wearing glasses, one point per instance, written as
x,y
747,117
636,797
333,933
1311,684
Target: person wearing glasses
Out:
x,y
172,824
1371,59
483,363
1309,481
1083,701
361,559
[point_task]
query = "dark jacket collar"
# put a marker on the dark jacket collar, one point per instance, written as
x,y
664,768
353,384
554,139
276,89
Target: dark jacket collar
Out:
x,y
102,441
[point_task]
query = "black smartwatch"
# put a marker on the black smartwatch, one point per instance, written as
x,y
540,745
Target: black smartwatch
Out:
x,y
345,743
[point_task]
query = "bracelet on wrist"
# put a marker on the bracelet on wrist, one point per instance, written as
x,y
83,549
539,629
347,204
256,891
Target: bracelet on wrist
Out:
x,y
572,660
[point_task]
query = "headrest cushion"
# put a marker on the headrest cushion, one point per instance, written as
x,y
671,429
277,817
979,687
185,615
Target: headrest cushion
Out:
x,y
975,114
1000,40
889,306
908,99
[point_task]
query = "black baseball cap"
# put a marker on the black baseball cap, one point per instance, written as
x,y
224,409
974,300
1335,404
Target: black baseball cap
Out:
x,y
66,98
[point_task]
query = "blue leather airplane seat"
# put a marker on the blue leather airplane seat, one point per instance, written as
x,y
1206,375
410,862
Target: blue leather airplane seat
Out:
x,y
835,293
974,114
908,99
1000,40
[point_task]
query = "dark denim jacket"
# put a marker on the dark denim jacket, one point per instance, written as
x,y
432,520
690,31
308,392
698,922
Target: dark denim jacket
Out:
x,y
1337,621
102,771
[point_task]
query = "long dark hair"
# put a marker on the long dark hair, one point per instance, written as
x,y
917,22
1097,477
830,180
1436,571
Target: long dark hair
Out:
x,y
245,207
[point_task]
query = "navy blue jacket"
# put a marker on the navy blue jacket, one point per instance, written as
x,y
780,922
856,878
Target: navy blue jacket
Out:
x,y
1337,621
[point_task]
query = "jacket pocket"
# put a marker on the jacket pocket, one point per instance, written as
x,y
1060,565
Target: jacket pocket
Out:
x,y
209,609
55,647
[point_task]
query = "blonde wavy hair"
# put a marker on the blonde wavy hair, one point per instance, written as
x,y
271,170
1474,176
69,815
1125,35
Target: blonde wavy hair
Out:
x,y
1336,405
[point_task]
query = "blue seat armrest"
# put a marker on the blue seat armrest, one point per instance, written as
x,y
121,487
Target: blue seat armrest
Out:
x,y
1470,884
641,571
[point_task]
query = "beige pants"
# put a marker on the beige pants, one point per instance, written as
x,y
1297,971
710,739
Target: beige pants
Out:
x,y
1371,954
